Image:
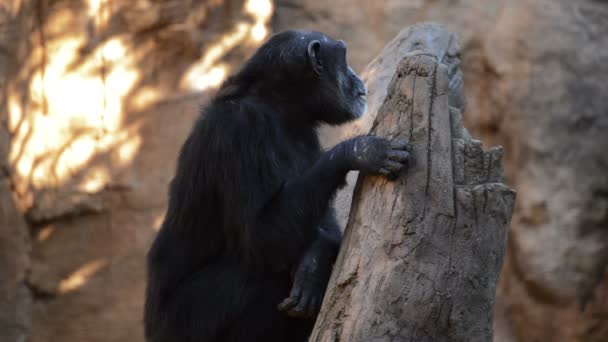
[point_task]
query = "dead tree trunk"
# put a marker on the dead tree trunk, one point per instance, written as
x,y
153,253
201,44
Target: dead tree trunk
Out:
x,y
421,255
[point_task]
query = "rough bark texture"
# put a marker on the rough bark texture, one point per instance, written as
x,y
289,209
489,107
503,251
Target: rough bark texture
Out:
x,y
421,256
377,76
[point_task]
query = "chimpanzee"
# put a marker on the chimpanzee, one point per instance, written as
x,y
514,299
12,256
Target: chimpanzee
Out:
x,y
249,238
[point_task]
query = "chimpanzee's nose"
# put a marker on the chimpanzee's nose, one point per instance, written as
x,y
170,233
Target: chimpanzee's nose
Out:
x,y
361,91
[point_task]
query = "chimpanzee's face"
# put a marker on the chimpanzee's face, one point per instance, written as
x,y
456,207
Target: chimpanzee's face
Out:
x,y
343,90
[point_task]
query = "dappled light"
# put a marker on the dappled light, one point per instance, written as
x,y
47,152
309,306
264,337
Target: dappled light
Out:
x,y
158,221
261,10
74,113
209,71
79,277
144,97
96,98
127,149
96,178
71,118
201,77
44,233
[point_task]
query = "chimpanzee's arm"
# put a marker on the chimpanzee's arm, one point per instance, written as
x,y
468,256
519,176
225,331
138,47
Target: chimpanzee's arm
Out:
x,y
312,273
290,219
293,216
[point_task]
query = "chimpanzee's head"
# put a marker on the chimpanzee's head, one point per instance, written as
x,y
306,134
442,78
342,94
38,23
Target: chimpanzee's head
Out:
x,y
307,70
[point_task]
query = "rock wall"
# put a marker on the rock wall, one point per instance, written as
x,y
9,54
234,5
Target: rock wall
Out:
x,y
15,246
96,97
15,296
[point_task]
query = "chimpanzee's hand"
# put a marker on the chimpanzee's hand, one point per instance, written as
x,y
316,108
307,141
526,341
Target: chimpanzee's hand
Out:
x,y
309,284
371,154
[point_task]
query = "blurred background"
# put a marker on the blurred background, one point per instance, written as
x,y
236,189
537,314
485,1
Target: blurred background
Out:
x,y
96,97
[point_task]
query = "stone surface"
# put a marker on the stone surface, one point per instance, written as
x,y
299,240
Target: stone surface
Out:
x,y
96,98
534,81
15,297
78,86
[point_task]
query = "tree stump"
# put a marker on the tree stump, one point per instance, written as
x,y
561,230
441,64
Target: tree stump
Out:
x,y
421,255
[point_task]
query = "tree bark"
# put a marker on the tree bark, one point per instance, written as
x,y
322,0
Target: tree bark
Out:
x,y
421,255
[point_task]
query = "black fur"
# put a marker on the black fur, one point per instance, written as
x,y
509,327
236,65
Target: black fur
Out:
x,y
249,224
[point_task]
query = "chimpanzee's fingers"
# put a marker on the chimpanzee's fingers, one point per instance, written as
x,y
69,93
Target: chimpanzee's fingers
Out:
x,y
292,300
301,309
384,172
399,144
313,307
398,155
287,304
393,167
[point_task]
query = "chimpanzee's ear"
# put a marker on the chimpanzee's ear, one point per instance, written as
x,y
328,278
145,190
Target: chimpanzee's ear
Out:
x,y
314,58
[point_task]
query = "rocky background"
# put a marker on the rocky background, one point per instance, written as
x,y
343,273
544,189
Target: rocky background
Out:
x,y
97,96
